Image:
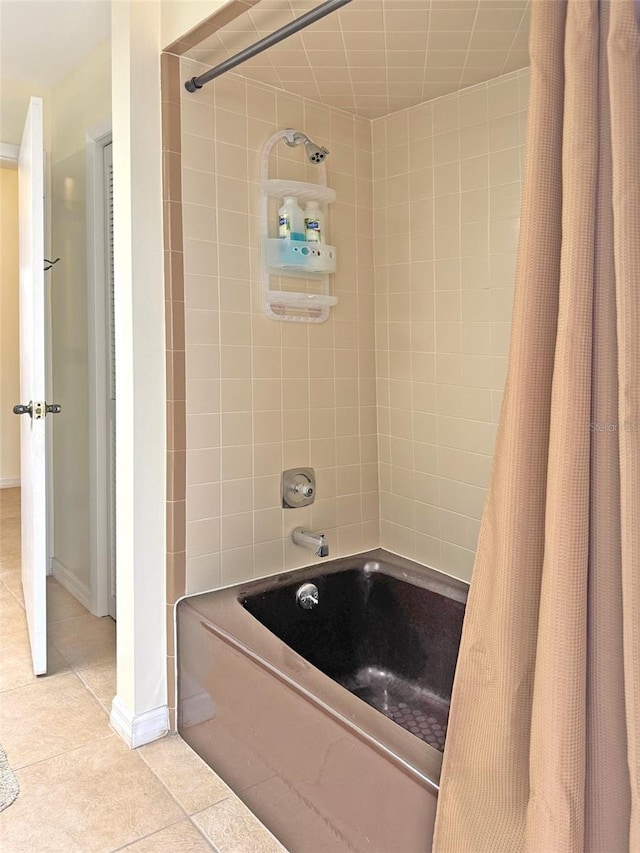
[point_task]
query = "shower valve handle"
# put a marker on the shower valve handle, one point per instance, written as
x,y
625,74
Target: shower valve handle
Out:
x,y
304,489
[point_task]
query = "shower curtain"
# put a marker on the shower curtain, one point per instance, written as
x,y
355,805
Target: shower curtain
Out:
x,y
543,747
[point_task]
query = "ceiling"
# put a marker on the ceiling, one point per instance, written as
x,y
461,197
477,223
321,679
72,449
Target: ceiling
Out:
x,y
41,41
373,57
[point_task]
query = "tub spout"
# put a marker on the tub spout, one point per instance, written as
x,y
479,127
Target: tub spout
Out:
x,y
316,542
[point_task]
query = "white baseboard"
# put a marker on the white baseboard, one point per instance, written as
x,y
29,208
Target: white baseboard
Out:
x,y
136,730
10,483
71,583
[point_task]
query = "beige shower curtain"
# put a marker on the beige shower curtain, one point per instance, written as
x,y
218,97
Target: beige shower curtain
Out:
x,y
543,746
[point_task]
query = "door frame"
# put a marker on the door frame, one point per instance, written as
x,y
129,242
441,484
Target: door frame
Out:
x,y
100,593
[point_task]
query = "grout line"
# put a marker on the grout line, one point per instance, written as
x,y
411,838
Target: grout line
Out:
x,y
30,683
30,764
204,835
148,835
11,592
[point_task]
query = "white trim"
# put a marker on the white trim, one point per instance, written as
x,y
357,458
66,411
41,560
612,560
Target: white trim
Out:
x,y
99,549
10,483
141,462
9,154
70,582
136,730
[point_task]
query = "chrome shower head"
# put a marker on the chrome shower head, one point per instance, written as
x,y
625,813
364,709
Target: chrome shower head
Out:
x,y
315,153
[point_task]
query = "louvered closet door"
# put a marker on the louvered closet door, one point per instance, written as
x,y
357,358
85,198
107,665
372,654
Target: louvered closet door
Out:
x,y
111,367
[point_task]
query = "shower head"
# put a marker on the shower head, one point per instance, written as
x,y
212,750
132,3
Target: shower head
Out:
x,y
315,153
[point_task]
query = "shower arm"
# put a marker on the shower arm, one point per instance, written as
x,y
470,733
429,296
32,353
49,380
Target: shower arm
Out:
x,y
266,151
275,37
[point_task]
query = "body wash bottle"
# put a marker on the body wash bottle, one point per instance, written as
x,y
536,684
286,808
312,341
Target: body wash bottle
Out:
x,y
290,220
313,223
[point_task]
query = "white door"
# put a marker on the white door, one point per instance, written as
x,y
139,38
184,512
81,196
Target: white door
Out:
x,y
32,406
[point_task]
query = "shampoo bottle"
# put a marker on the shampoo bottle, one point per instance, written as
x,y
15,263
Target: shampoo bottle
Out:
x,y
313,223
290,220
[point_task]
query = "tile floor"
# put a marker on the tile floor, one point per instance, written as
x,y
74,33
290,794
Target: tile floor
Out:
x,y
81,789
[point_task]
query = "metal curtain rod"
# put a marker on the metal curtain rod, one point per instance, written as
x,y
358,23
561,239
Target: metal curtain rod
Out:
x,y
290,29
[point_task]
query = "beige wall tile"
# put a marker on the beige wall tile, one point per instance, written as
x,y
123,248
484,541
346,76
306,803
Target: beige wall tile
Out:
x,y
443,207
465,154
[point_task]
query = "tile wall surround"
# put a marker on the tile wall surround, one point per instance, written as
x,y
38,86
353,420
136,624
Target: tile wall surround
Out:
x,y
262,395
426,413
446,211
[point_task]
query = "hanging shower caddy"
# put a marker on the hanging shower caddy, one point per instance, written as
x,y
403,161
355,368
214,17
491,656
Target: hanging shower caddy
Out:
x,y
311,263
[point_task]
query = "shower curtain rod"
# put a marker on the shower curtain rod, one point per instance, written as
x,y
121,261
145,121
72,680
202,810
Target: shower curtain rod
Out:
x,y
289,29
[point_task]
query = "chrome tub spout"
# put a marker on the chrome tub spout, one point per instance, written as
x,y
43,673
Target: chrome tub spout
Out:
x,y
316,542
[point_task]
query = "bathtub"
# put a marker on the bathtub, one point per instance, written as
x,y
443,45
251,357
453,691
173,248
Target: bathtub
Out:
x,y
328,722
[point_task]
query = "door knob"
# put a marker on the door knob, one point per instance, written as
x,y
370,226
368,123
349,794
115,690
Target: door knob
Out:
x,y
37,410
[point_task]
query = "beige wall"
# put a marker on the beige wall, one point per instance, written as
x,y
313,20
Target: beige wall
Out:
x,y
14,102
9,336
446,191
264,395
77,103
180,16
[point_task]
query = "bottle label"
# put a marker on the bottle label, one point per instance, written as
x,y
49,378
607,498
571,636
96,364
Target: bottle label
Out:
x,y
284,227
313,233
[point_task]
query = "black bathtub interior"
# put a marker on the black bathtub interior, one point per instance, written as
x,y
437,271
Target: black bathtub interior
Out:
x,y
392,643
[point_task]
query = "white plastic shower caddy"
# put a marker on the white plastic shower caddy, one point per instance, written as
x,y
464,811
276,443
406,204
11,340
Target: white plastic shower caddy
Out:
x,y
312,261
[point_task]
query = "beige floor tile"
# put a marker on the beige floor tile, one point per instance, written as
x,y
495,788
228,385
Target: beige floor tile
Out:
x,y
12,616
182,837
9,558
101,681
96,798
9,499
85,641
16,669
232,828
15,655
47,718
5,593
9,541
61,604
192,782
12,580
